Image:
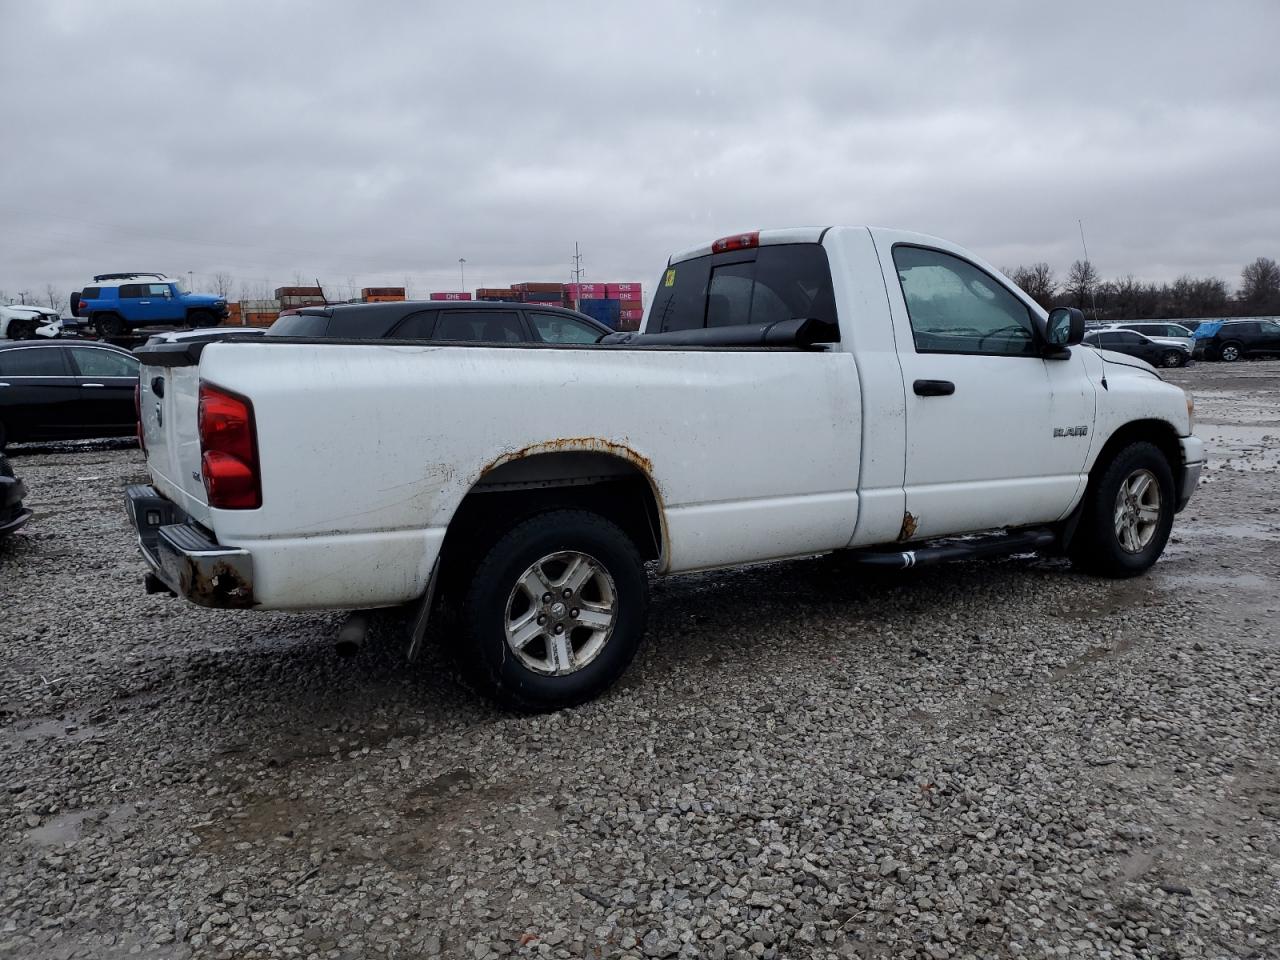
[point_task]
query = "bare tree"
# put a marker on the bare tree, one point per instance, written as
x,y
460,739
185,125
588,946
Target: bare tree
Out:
x,y
1261,283
1197,296
221,283
53,296
1082,286
1037,281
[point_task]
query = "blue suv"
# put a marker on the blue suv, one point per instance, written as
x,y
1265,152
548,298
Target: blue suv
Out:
x,y
119,302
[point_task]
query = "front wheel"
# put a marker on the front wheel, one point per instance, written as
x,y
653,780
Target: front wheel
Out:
x,y
555,612
1229,352
21,329
1128,513
200,318
1173,358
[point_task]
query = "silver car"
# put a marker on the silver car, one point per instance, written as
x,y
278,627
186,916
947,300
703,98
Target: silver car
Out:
x,y
1161,331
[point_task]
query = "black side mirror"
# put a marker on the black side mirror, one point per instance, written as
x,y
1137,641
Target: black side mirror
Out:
x,y
1065,327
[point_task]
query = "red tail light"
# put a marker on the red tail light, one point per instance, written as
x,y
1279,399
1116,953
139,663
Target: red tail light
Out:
x,y
81,306
739,241
229,448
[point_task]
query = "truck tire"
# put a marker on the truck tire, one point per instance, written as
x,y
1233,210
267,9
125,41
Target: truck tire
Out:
x,y
1229,352
109,326
1126,515
554,612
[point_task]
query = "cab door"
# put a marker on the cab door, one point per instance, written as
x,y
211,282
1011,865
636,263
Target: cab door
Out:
x,y
997,434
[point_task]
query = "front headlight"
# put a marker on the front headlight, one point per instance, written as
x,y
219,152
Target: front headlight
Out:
x,y
1191,414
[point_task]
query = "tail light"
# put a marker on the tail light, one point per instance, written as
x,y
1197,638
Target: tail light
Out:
x,y
81,306
137,409
229,450
739,241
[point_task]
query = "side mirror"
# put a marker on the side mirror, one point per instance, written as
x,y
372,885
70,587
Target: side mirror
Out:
x,y
1065,327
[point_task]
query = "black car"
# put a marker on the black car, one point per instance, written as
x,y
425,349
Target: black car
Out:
x,y
71,390
452,321
1236,339
12,513
1136,345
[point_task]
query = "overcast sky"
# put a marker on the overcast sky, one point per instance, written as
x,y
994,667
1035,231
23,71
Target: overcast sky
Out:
x,y
369,143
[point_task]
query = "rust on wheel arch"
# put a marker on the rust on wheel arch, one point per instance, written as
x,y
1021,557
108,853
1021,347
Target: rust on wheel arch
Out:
x,y
594,445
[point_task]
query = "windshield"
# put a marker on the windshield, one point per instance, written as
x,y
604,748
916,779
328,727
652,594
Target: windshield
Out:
x,y
178,287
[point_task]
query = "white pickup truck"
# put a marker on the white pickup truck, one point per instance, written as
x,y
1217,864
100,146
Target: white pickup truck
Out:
x,y
792,392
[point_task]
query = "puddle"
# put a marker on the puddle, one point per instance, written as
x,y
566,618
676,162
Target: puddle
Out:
x,y
68,827
54,729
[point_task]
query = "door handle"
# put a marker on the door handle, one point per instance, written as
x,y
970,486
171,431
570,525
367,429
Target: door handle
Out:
x,y
145,302
3,384
934,388
93,384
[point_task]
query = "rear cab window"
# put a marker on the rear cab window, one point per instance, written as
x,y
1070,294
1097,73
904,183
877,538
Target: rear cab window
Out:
x,y
91,293
767,284
299,325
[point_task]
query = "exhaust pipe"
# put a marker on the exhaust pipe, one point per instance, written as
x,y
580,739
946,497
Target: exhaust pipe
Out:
x,y
352,635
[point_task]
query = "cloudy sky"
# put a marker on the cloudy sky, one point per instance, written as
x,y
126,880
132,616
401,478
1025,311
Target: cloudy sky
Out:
x,y
371,143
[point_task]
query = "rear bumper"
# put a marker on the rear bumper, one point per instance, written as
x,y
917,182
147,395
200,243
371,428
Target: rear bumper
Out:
x,y
1192,464
185,559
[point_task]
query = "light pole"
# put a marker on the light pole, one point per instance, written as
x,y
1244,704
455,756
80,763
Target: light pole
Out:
x,y
462,269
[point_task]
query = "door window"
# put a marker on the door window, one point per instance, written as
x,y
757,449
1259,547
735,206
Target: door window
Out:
x,y
557,328
956,308
480,326
33,362
157,289
93,362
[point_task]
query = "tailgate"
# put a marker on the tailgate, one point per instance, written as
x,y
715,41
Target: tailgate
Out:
x,y
168,397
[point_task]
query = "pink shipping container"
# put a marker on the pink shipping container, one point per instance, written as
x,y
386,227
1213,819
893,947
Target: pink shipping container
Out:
x,y
631,314
622,291
584,291
625,324
450,296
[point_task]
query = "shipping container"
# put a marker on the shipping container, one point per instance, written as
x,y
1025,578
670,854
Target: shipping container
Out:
x,y
395,292
606,311
628,304
538,296
584,291
631,315
495,293
260,306
556,288
629,325
282,292
450,295
377,298
622,291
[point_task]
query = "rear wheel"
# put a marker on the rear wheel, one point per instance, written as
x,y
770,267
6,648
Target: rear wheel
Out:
x,y
1128,513
1229,352
554,612
110,325
1173,358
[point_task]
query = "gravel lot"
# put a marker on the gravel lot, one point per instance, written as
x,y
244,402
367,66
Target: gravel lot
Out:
x,y
984,760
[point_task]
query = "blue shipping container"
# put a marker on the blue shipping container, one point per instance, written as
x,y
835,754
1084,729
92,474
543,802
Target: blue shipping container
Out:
x,y
606,311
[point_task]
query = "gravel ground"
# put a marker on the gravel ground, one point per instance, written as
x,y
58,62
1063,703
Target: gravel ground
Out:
x,y
984,760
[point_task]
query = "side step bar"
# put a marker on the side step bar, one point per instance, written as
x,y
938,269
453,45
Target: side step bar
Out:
x,y
945,551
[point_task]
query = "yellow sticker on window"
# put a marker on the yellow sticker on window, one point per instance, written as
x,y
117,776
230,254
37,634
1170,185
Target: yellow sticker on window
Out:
x,y
670,279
